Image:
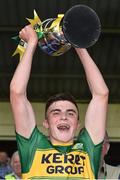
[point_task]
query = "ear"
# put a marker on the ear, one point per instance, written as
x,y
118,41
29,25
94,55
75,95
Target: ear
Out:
x,y
78,126
45,123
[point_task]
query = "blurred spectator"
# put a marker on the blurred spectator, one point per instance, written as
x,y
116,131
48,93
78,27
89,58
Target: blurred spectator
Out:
x,y
16,167
4,164
108,171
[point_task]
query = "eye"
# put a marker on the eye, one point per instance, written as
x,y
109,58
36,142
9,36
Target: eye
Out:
x,y
56,113
70,113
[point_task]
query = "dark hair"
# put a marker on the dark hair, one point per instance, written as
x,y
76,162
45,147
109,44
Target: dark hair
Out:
x,y
61,97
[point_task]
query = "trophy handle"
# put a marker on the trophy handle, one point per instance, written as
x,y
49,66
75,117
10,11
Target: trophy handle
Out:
x,y
36,22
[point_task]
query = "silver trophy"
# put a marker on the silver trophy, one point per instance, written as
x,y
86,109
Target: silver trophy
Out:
x,y
78,27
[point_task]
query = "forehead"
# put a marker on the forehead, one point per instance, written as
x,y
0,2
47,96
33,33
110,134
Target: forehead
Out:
x,y
16,158
62,105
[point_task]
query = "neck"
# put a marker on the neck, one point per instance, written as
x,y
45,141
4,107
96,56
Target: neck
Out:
x,y
55,142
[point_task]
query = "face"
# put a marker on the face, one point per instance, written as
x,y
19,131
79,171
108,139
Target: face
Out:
x,y
62,121
3,157
16,166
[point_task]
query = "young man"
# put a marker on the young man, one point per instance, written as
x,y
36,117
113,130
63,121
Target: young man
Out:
x,y
59,157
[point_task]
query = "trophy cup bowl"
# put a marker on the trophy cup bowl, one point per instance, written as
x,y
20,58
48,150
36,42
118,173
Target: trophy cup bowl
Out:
x,y
53,41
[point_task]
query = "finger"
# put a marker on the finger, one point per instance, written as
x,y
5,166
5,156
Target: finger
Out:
x,y
20,34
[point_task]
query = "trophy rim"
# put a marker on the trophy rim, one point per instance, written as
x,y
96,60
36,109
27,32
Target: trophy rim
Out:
x,y
92,36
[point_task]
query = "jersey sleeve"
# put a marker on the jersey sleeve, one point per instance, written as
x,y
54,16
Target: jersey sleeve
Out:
x,y
27,147
94,151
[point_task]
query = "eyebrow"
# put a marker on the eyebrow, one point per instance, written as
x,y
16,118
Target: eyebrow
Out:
x,y
71,110
53,110
68,110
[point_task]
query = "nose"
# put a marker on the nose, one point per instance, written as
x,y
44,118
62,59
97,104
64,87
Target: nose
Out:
x,y
63,116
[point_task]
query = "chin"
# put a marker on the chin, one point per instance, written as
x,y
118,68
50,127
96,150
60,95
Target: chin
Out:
x,y
62,137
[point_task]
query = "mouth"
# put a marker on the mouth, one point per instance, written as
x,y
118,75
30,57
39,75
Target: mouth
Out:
x,y
63,127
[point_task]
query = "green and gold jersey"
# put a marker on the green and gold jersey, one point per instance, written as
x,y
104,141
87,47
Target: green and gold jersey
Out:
x,y
42,160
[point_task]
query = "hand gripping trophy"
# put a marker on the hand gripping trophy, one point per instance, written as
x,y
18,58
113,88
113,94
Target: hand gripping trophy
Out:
x,y
78,27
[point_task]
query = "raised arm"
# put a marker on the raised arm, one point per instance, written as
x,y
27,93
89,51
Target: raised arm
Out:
x,y
22,110
95,119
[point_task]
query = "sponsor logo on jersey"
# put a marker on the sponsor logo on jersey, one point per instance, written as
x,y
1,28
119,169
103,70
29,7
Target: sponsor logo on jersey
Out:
x,y
51,163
